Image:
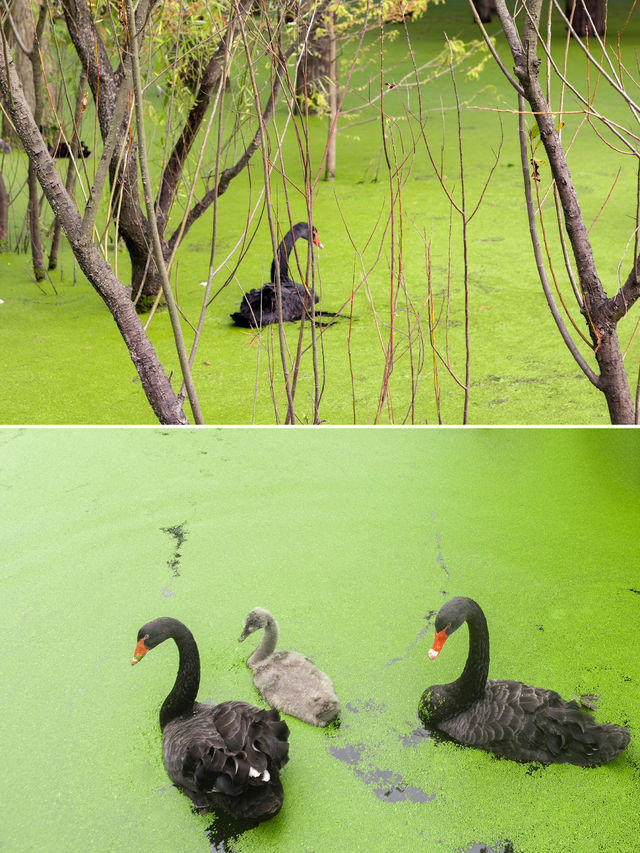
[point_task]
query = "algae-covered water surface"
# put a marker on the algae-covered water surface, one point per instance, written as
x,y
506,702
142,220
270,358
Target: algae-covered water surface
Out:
x,y
353,539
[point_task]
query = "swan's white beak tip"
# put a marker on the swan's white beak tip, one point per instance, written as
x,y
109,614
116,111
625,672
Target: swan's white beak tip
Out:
x,y
433,654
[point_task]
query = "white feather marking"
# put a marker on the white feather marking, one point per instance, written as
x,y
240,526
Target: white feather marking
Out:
x,y
255,774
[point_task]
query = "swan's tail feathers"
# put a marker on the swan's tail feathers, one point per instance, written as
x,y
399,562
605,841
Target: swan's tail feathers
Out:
x,y
577,739
330,711
248,320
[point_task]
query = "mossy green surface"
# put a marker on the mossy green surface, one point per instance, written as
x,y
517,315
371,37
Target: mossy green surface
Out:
x,y
353,539
63,361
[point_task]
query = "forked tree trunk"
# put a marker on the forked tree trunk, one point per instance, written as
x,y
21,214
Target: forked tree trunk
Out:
x,y
155,382
601,313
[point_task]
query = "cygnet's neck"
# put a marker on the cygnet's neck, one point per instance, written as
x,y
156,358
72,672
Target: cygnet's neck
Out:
x,y
268,643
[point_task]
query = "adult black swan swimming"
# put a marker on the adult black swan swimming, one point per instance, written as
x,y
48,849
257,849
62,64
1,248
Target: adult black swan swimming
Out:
x,y
259,307
507,717
226,756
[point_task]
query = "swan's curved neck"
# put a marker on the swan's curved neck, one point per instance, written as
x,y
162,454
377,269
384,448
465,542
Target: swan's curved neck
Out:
x,y
473,680
184,692
456,697
282,258
268,643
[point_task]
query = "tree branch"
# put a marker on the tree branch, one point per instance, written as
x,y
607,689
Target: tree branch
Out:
x,y
157,248
154,380
210,80
227,175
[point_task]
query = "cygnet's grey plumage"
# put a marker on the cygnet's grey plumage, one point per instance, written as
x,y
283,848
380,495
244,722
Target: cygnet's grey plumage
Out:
x,y
288,681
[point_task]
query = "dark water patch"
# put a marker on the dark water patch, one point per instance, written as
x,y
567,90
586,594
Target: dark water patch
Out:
x,y
369,706
440,560
179,533
224,831
349,754
635,591
429,617
414,738
387,785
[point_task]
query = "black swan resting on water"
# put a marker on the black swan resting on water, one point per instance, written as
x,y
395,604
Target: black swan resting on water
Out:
x,y
226,756
259,307
507,717
288,681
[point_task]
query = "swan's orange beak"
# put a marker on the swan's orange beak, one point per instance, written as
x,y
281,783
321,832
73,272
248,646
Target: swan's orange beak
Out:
x,y
438,643
140,652
317,242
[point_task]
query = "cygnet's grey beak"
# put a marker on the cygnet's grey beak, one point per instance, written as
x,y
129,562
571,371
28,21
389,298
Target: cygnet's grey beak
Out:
x,y
243,636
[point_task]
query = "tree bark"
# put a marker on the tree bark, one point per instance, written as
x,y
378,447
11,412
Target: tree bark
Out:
x,y
4,216
70,181
332,145
37,258
314,68
154,380
598,309
24,23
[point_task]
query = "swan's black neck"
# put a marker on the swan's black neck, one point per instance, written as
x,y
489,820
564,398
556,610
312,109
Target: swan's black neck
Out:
x,y
473,680
448,700
184,692
284,250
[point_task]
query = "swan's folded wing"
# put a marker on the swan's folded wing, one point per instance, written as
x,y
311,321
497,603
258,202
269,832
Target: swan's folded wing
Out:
x,y
504,716
533,724
225,748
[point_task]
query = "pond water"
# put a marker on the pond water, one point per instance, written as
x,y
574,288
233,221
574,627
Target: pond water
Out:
x,y
353,539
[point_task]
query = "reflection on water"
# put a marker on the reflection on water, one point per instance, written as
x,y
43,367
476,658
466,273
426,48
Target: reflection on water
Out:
x,y
224,831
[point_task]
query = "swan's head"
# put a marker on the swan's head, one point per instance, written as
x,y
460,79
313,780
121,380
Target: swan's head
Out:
x,y
258,618
450,617
316,239
152,634
301,229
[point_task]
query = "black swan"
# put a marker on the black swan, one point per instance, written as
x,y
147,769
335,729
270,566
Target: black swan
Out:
x,y
226,756
62,150
288,681
507,717
259,307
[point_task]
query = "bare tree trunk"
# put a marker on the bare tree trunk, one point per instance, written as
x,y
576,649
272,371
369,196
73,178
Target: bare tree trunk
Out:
x,y
330,172
154,380
600,312
70,182
37,258
4,216
314,69
23,21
